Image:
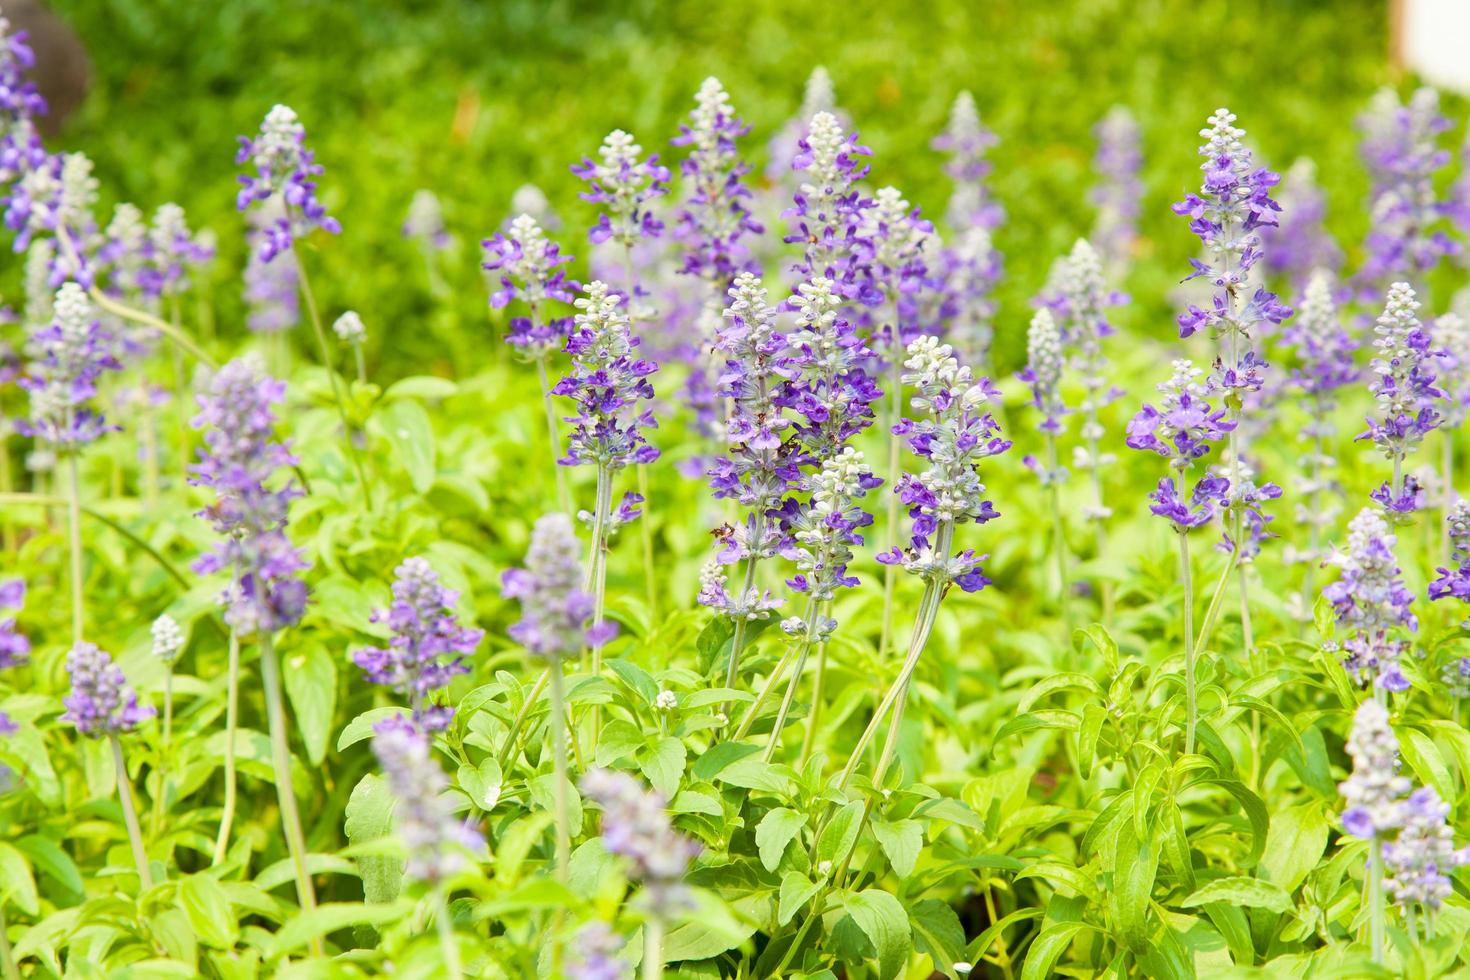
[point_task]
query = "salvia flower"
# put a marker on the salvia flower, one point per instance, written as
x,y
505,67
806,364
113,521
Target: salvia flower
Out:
x,y
1451,335
555,609
636,826
171,252
424,223
1082,305
101,702
899,239
1455,676
428,645
56,199
594,954
123,252
1370,598
240,462
1246,500
530,265
1418,862
968,272
1117,193
15,646
1454,583
966,142
1300,245
715,216
286,172
20,103
817,96
626,185
953,436
73,351
272,286
1043,374
168,638
827,211
1181,430
826,528
424,816
607,383
832,396
1375,787
1401,148
1405,384
349,328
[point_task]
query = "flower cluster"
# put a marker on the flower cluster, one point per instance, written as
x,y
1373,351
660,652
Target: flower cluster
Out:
x,y
967,272
1081,303
1181,430
424,223
428,646
530,267
239,463
899,239
594,954
817,96
554,607
715,216
56,198
285,171
20,103
955,435
100,703
424,816
826,528
1451,335
607,382
350,329
171,251
1401,149
168,638
636,826
832,395
1405,386
1370,598
1043,374
272,286
1418,862
73,350
1116,196
828,211
626,184
15,647
966,142
1245,502
1455,582
1374,788
1300,245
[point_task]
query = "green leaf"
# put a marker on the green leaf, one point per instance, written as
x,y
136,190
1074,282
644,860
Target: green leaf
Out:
x,y
1077,880
712,763
713,927
841,833
543,794
619,738
302,927
369,817
1093,717
1133,884
361,727
16,882
691,801
937,932
901,841
424,386
1249,892
635,677
663,765
1053,683
1425,758
882,919
1103,640
482,785
1048,947
796,890
310,675
48,857
1294,845
1255,812
1038,721
409,431
774,832
207,908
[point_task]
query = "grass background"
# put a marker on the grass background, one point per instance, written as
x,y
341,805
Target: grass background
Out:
x,y
475,99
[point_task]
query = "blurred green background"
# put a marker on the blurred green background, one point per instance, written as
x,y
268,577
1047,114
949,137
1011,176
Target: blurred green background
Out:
x,y
475,99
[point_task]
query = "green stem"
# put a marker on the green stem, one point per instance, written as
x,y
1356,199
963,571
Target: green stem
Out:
x,y
1059,539
563,779
563,492
448,944
232,720
360,360
597,575
179,338
809,740
1448,496
737,637
7,486
767,689
48,500
74,538
774,740
645,527
275,709
1191,701
893,409
349,430
653,948
1377,925
7,956
130,816
507,750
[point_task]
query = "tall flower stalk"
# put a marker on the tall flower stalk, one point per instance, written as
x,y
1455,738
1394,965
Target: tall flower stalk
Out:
x,y
102,705
1299,245
1117,193
240,462
1455,582
1370,599
530,267
1372,792
1043,374
1451,334
1406,396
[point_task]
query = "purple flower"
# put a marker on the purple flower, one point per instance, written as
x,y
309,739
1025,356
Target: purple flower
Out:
x,y
715,215
594,954
1299,245
1451,334
1043,374
1246,500
955,435
170,252
967,273
899,269
827,211
1400,147
100,703
817,96
1183,426
240,463
636,826
1405,384
73,351
529,264
1418,862
1455,582
1208,498
831,397
1370,598
20,102
1374,788
285,171
824,529
424,816
428,647
272,286
627,185
607,382
1117,193
554,608
55,198
15,646
966,142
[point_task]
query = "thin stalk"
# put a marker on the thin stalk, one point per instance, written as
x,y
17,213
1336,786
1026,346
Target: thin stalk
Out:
x,y
563,491
791,684
360,360
1099,531
1314,509
645,528
168,709
448,945
767,689
809,740
275,709
597,575
737,636
653,948
1059,538
74,540
48,500
1002,953
151,471
559,758
1191,702
130,816
7,956
1376,921
1398,477
894,408
232,721
509,747
165,754
173,332
349,431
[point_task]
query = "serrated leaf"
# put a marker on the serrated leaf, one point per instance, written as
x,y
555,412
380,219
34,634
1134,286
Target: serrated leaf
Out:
x,y
1249,892
635,677
1048,947
302,927
620,738
17,885
796,890
937,932
710,764
310,677
841,833
663,765
369,817
1294,845
1038,721
774,832
207,908
692,801
50,859
361,727
901,841
1093,717
882,919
